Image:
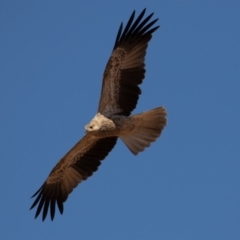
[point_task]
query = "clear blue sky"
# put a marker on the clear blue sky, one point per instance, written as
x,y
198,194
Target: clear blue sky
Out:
x,y
186,186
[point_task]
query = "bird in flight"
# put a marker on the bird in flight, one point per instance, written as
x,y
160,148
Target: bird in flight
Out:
x,y
124,73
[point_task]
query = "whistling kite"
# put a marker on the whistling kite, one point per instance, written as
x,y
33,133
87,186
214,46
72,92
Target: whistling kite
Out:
x,y
125,70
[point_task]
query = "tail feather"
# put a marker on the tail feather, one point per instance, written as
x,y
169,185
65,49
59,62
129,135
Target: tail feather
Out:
x,y
147,128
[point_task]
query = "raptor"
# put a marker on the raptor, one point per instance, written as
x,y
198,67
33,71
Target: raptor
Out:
x,y
124,73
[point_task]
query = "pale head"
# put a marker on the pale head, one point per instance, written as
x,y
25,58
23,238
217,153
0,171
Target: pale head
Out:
x,y
94,125
100,123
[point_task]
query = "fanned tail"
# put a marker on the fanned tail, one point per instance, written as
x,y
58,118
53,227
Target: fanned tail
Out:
x,y
148,127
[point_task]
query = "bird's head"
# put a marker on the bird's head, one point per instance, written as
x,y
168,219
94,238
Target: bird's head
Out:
x,y
92,126
95,124
100,124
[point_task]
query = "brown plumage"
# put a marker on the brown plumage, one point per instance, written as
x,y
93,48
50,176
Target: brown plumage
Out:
x,y
120,92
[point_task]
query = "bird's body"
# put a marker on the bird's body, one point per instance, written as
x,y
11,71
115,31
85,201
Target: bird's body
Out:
x,y
120,92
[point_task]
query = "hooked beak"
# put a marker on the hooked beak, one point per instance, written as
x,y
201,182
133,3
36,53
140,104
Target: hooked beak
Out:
x,y
86,128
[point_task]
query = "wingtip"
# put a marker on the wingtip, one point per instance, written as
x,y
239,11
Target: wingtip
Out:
x,y
133,13
143,11
37,192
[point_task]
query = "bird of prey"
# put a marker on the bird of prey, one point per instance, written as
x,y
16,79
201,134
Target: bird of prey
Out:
x,y
124,73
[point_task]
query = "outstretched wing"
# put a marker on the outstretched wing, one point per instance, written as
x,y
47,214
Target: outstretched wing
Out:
x,y
77,165
125,69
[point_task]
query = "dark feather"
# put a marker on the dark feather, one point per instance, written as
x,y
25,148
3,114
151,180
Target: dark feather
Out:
x,y
125,69
75,166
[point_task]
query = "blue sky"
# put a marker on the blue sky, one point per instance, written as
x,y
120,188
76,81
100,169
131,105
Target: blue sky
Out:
x,y
186,185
